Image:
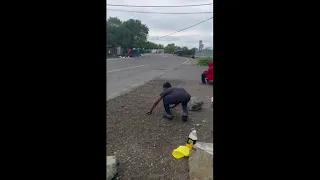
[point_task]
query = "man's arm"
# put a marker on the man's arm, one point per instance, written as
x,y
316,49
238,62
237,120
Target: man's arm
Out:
x,y
163,94
154,105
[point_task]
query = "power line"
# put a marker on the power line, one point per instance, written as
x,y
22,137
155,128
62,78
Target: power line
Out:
x,y
185,28
157,12
160,6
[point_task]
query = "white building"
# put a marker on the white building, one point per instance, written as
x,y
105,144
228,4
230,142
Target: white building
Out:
x,y
157,51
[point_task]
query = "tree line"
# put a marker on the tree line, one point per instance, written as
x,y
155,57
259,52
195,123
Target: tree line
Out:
x,y
129,34
172,48
133,34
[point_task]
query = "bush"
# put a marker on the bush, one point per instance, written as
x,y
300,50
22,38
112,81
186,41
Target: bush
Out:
x,y
203,61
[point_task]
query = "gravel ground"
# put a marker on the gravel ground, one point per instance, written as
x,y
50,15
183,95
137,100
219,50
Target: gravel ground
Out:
x,y
143,143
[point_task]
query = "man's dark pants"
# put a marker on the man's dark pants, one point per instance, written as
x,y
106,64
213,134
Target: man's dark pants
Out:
x,y
203,78
168,100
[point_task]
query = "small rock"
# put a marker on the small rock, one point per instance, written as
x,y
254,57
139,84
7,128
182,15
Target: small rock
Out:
x,y
112,167
195,104
203,121
198,125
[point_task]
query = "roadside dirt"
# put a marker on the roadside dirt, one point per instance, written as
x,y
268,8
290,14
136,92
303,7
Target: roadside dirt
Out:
x,y
143,143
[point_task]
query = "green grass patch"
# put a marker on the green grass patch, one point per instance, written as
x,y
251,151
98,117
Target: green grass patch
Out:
x,y
204,60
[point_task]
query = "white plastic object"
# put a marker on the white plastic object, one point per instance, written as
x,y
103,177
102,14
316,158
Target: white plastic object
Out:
x,y
193,135
192,139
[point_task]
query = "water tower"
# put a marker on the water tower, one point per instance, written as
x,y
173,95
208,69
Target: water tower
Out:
x,y
200,45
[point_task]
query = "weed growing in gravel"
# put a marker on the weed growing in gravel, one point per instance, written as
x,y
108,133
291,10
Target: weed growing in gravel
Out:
x,y
204,60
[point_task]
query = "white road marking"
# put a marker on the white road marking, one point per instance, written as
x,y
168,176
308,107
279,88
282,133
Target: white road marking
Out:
x,y
186,61
126,68
113,59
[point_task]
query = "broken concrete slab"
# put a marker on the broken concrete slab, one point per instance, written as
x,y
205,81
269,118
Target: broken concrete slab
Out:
x,y
112,167
208,147
200,165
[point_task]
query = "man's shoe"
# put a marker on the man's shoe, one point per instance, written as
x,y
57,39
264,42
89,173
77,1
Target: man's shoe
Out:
x,y
167,116
184,118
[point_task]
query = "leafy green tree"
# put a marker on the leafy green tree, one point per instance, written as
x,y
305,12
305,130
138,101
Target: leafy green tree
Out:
x,y
170,48
160,46
139,32
129,34
117,33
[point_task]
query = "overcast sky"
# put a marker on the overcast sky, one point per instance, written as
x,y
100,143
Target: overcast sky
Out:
x,y
163,24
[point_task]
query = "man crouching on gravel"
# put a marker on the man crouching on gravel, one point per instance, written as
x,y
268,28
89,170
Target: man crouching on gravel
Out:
x,y
173,96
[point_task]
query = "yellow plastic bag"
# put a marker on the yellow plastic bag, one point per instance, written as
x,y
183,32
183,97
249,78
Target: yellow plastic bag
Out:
x,y
181,151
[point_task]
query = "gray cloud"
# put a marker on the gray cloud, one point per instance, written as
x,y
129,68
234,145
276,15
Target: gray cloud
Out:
x,y
163,24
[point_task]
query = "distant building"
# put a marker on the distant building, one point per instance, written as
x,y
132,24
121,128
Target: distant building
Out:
x,y
157,51
160,50
113,50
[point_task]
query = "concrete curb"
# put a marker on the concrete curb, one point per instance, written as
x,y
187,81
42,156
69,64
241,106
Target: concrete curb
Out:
x,y
125,90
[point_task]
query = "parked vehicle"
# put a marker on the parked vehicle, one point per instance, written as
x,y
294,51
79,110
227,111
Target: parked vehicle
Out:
x,y
178,53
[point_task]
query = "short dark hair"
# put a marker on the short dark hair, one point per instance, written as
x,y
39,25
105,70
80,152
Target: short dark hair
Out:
x,y
166,85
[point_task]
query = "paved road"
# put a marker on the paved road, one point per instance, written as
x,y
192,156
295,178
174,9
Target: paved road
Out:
x,y
125,74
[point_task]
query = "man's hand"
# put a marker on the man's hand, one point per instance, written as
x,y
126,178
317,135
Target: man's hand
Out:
x,y
154,105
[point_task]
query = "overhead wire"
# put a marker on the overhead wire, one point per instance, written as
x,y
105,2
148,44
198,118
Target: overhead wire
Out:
x,y
190,5
148,12
185,28
171,6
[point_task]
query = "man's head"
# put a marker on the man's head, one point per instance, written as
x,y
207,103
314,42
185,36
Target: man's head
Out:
x,y
166,85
